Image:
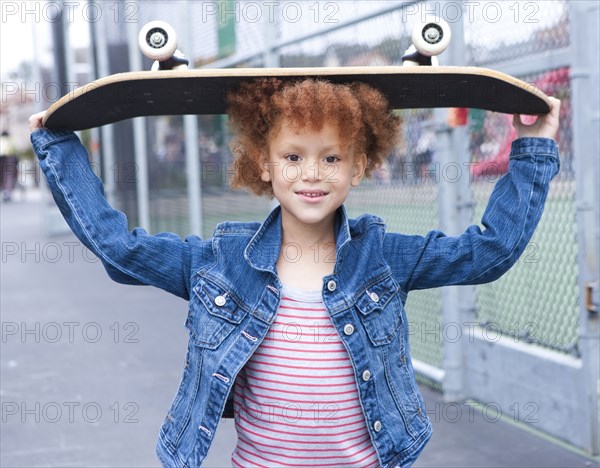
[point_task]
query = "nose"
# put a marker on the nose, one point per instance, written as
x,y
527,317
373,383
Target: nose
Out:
x,y
311,171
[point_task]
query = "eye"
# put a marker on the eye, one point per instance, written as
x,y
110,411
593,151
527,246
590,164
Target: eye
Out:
x,y
331,159
291,157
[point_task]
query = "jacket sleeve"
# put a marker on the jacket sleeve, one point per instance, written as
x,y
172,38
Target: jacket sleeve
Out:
x,y
163,260
481,256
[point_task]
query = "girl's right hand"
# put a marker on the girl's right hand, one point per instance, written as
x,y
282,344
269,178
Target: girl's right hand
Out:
x,y
545,126
35,121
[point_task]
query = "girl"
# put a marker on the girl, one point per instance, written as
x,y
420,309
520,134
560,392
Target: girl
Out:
x,y
298,322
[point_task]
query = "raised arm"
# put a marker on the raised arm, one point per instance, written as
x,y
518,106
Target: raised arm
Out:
x,y
163,260
513,212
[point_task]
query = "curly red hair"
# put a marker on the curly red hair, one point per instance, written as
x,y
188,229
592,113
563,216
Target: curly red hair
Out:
x,y
256,107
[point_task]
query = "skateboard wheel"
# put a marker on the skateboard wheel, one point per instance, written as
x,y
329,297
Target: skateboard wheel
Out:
x,y
431,36
157,40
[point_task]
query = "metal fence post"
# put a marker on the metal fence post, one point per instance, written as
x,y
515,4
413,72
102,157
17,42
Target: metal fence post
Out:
x,y
139,137
271,55
99,31
584,84
448,222
467,314
455,215
271,37
192,153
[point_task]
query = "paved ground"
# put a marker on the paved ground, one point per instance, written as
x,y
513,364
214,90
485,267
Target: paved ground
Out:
x,y
88,367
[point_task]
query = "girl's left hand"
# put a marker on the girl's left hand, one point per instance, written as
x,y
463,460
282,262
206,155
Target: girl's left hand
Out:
x,y
545,126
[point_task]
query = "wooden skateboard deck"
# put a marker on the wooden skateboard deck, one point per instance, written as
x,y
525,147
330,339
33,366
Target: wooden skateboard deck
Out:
x,y
203,91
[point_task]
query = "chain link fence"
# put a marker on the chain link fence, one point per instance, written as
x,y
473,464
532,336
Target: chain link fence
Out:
x,y
539,305
537,300
196,25
403,191
508,31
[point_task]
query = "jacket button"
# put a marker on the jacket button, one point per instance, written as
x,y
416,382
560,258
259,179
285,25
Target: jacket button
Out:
x,y
331,285
377,426
220,301
366,375
348,329
374,297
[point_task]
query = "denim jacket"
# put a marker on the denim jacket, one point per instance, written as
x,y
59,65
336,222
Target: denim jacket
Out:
x,y
233,290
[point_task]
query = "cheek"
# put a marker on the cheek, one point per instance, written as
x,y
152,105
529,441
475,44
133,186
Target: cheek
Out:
x,y
277,182
341,176
288,174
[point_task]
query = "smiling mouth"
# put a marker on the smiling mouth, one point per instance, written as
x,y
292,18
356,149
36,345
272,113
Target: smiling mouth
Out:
x,y
312,194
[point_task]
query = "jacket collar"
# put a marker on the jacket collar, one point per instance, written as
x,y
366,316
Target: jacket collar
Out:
x,y
263,249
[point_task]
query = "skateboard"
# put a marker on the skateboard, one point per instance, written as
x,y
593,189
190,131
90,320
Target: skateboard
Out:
x,y
170,88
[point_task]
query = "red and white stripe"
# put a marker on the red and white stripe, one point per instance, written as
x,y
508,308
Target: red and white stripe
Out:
x,y
296,401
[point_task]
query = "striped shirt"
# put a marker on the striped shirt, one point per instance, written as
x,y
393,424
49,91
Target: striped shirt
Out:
x,y
296,401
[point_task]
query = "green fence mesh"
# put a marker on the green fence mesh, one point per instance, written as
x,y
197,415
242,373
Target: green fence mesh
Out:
x,y
537,300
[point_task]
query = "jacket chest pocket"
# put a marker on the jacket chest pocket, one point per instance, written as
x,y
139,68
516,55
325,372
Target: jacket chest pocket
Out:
x,y
380,311
213,315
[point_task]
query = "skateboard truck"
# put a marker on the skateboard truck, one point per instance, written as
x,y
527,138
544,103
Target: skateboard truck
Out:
x,y
430,37
158,41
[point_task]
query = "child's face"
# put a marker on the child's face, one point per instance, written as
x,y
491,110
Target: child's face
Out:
x,y
315,161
